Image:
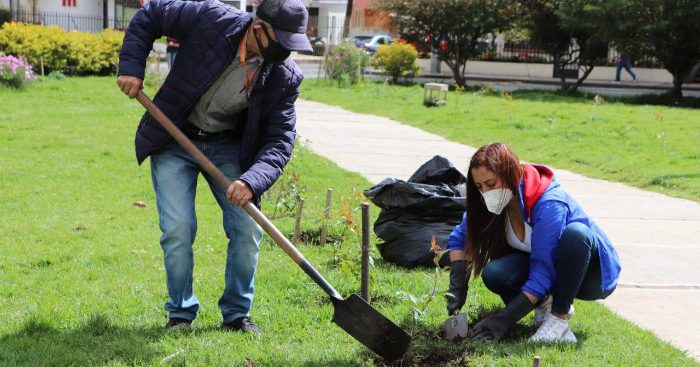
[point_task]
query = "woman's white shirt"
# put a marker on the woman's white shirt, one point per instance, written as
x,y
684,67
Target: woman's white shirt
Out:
x,y
513,240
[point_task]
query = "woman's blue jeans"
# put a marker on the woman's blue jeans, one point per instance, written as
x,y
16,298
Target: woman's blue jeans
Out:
x,y
577,270
174,173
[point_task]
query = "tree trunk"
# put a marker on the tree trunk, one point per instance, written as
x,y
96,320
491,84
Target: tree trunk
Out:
x,y
558,65
346,24
456,73
580,80
677,85
458,76
563,85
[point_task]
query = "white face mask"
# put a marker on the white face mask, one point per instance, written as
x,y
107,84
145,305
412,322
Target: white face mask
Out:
x,y
497,199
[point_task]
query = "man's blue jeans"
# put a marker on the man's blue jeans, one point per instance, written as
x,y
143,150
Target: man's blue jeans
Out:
x,y
174,173
577,270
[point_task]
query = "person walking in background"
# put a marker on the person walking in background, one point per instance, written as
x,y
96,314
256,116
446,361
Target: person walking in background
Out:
x,y
533,245
171,50
625,62
232,92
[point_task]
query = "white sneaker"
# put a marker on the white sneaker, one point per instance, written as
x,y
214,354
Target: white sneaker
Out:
x,y
545,308
554,330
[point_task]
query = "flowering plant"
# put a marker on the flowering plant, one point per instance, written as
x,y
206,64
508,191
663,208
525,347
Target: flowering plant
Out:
x,y
15,71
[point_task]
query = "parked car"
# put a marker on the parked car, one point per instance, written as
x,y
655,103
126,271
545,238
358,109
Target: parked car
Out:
x,y
371,43
420,42
360,40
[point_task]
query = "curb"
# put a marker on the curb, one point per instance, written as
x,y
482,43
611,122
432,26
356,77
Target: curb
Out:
x,y
598,84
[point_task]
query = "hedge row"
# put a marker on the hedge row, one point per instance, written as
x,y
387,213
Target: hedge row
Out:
x,y
73,53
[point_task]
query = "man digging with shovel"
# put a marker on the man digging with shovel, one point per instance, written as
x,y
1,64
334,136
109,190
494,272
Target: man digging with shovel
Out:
x,y
231,90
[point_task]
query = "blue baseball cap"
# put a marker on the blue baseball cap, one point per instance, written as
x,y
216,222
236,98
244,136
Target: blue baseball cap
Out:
x,y
289,19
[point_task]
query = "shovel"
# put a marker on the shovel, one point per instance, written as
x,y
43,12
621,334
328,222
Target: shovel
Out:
x,y
353,314
456,327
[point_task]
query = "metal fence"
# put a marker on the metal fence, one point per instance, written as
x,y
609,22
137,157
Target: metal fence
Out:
x,y
520,52
527,52
68,21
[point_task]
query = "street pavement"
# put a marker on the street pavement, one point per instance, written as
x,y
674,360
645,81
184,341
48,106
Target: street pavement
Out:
x,y
656,236
310,66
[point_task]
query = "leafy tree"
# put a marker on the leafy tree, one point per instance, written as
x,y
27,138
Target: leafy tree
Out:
x,y
455,27
568,30
668,30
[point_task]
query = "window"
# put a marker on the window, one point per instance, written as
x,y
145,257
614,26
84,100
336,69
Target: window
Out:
x,y
124,10
234,3
312,26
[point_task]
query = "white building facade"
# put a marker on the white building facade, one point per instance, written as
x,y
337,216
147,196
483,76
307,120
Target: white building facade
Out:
x,y
326,17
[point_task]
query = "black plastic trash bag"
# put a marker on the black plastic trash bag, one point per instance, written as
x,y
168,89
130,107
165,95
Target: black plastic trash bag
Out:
x,y
430,203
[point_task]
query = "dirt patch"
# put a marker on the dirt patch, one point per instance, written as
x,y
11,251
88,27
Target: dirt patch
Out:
x,y
430,349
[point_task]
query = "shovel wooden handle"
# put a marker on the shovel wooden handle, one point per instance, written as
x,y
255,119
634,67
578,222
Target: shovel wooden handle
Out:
x,y
218,176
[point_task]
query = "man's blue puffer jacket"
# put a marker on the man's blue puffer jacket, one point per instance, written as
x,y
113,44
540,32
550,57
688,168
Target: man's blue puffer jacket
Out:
x,y
209,33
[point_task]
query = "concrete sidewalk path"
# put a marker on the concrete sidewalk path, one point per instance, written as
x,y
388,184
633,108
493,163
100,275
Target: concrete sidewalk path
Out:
x,y
656,236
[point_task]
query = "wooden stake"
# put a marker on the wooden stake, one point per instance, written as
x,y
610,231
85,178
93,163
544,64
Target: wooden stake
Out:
x,y
41,62
320,65
359,69
297,222
364,279
536,361
326,217
156,63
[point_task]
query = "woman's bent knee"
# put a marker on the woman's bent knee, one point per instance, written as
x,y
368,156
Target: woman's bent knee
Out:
x,y
494,277
576,237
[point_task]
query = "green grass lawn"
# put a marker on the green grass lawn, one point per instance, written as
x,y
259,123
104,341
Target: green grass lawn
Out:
x,y
82,280
651,147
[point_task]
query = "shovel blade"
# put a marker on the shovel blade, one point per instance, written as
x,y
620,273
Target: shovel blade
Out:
x,y
370,327
456,327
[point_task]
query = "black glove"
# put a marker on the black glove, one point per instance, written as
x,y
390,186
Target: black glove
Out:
x,y
459,285
495,326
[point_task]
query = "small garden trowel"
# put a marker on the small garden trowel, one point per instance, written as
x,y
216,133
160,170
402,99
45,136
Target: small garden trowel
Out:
x,y
456,327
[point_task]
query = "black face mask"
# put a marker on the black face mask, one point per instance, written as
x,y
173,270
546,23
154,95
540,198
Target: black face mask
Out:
x,y
274,52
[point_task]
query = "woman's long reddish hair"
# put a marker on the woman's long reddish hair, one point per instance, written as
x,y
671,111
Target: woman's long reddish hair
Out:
x,y
486,231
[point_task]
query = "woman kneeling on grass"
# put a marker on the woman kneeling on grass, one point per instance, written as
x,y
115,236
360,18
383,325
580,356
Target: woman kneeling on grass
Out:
x,y
533,245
